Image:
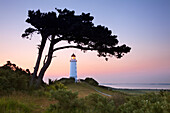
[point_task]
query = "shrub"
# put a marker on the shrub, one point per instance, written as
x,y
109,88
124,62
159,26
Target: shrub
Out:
x,y
98,104
147,103
11,80
119,98
67,80
67,102
60,86
91,81
56,86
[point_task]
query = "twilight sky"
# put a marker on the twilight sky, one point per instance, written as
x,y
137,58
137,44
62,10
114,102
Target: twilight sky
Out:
x,y
143,25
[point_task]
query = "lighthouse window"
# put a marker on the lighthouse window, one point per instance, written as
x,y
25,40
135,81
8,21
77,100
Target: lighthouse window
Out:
x,y
73,57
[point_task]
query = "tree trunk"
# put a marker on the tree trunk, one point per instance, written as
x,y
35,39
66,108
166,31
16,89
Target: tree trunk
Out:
x,y
46,65
43,42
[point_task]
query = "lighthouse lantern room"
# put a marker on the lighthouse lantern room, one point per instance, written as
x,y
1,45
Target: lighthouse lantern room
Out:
x,y
73,67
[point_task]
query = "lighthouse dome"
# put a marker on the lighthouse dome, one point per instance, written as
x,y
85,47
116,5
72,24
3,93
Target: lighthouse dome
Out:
x,y
73,55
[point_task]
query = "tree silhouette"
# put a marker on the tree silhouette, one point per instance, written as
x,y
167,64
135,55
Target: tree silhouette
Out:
x,y
42,25
79,29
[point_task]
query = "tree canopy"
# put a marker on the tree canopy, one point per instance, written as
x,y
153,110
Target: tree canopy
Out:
x,y
65,25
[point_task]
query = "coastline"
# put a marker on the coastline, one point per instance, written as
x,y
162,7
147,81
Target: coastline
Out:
x,y
137,86
133,91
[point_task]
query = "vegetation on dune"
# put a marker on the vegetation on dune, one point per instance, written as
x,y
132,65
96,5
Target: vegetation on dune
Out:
x,y
95,103
91,81
13,106
13,78
66,81
66,96
147,103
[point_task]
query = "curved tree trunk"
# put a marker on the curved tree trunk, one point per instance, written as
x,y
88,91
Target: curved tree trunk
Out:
x,y
46,65
43,42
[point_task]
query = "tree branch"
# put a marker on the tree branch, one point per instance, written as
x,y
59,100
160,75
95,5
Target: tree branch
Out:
x,y
77,47
57,40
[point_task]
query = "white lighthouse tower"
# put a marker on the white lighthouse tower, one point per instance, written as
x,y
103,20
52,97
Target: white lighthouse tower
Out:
x,y
73,67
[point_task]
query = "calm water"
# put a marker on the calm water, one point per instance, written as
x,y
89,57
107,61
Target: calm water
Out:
x,y
138,85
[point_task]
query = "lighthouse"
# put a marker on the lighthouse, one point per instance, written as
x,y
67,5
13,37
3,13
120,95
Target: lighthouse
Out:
x,y
73,67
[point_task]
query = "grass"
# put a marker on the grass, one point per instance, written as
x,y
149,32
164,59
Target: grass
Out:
x,y
36,104
82,89
138,91
110,92
16,97
85,89
24,102
8,105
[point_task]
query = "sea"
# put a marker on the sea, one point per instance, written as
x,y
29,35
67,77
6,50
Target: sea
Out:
x,y
138,85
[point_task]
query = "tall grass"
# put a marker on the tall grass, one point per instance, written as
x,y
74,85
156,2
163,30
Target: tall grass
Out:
x,y
13,106
21,99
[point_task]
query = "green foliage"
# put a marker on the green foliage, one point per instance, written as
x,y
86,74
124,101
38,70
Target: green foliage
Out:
x,y
99,104
61,95
56,86
40,93
118,103
67,102
13,106
119,98
11,80
50,87
60,86
47,89
91,81
147,103
67,80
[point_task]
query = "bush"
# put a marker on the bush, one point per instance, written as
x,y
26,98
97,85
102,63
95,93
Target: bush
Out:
x,y
11,80
98,104
55,86
147,103
67,80
91,81
119,98
67,102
